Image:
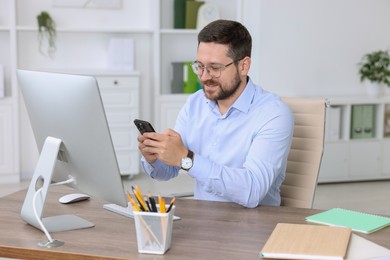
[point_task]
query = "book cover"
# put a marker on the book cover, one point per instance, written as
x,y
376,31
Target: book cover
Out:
x,y
357,221
300,241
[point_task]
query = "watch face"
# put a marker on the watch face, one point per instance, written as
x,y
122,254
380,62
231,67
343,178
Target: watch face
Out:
x,y
186,163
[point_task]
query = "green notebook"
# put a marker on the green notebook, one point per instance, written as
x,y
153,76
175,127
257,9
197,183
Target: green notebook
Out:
x,y
357,221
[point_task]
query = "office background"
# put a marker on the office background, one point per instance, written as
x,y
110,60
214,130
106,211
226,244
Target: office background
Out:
x,y
300,47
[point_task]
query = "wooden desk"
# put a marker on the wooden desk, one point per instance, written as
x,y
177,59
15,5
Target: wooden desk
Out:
x,y
207,230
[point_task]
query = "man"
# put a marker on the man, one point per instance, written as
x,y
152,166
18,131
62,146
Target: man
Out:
x,y
232,137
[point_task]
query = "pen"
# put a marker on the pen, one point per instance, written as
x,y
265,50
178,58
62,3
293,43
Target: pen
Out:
x,y
171,204
148,204
152,204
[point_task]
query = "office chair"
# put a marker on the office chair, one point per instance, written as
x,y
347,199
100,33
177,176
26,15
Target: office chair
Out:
x,y
305,155
306,151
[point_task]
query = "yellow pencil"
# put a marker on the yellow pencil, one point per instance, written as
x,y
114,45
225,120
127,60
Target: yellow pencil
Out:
x,y
162,204
133,203
138,194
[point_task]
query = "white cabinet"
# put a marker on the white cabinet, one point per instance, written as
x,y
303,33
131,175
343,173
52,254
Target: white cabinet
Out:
x,y
120,95
357,145
9,112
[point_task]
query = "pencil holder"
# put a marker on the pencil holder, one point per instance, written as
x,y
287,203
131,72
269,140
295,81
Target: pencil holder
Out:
x,y
154,231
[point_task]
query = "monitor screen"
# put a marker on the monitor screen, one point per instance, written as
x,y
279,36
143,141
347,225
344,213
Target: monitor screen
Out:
x,y
69,108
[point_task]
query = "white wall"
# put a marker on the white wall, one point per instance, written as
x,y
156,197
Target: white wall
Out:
x,y
301,47
312,47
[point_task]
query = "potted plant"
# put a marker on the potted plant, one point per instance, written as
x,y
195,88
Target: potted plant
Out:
x,y
374,70
46,30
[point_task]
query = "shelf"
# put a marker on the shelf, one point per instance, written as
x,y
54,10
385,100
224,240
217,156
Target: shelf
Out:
x,y
179,31
88,30
360,156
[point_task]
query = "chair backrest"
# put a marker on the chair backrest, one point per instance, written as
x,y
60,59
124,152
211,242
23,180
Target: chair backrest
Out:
x,y
306,151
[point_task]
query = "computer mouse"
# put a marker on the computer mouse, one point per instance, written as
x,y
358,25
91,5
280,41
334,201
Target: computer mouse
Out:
x,y
73,197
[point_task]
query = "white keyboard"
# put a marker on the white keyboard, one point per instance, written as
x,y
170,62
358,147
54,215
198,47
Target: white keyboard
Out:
x,y
125,211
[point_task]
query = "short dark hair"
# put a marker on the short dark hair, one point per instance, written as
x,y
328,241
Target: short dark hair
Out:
x,y
231,33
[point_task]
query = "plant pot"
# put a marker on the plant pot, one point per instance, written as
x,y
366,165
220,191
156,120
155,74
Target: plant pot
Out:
x,y
374,89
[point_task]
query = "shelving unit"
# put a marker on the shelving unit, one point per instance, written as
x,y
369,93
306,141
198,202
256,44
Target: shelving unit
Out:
x,y
82,48
349,158
9,110
177,45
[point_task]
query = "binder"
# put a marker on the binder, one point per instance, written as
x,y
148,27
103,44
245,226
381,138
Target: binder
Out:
x,y
190,79
300,241
363,121
357,221
191,13
333,119
179,14
177,77
2,81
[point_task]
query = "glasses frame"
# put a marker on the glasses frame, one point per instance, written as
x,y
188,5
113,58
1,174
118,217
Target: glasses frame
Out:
x,y
196,66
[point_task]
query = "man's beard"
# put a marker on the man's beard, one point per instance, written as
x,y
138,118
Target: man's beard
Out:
x,y
225,92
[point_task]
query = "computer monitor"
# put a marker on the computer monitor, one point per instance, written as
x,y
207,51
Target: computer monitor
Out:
x,y
71,131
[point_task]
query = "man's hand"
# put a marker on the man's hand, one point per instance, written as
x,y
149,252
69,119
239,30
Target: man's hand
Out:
x,y
149,157
166,147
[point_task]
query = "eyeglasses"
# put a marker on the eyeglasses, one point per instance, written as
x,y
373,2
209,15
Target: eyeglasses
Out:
x,y
214,70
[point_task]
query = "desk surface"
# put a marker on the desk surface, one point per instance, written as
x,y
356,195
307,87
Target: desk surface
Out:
x,y
207,230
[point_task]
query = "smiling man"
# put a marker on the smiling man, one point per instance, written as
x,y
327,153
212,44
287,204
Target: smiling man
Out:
x,y
232,137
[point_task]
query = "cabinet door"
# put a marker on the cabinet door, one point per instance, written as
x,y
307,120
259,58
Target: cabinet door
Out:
x,y
120,95
168,109
334,164
365,160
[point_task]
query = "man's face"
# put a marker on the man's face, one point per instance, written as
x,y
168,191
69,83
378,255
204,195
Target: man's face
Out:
x,y
224,86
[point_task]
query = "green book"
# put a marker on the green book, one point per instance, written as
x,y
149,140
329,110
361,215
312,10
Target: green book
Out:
x,y
357,221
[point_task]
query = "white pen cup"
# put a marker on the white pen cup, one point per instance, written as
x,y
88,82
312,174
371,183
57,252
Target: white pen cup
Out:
x,y
154,231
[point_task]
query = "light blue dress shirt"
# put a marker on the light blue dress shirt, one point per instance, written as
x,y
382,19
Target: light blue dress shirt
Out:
x,y
239,156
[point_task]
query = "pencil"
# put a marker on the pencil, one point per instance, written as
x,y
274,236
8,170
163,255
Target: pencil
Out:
x,y
135,206
171,204
162,204
138,196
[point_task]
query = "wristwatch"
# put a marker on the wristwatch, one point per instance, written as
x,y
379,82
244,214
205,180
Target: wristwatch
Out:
x,y
186,162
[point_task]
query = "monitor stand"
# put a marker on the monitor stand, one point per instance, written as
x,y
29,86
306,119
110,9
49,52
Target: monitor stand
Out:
x,y
38,189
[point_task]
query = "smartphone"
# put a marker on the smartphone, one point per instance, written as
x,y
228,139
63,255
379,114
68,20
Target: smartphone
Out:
x,y
143,126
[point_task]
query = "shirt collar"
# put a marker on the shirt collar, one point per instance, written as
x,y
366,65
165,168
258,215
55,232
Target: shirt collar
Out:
x,y
243,102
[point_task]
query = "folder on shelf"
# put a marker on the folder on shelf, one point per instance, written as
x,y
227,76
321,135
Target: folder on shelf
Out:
x,y
190,79
177,82
333,119
2,81
191,13
184,80
357,221
363,121
179,14
300,241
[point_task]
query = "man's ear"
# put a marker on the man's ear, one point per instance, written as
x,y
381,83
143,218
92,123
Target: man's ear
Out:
x,y
244,66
